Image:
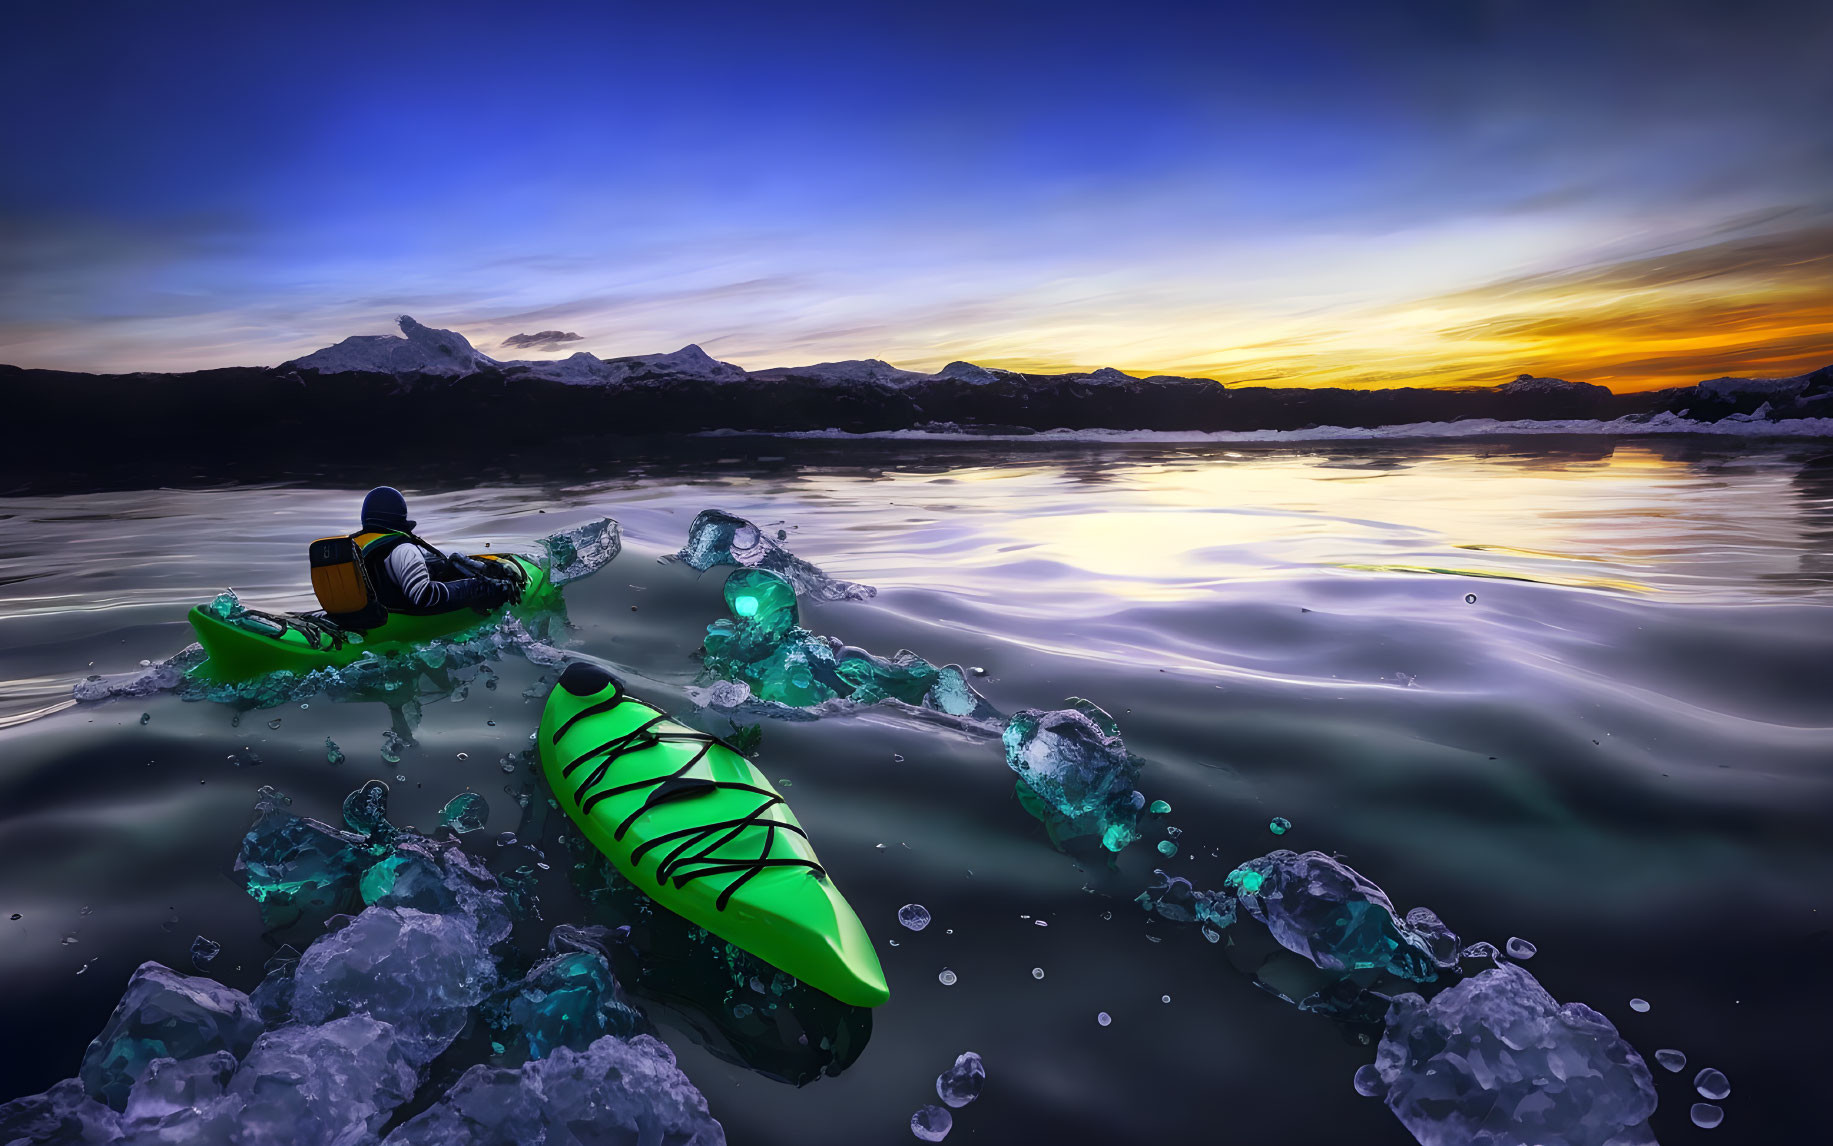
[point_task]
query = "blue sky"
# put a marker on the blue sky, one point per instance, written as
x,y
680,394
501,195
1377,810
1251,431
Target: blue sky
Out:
x,y
1303,193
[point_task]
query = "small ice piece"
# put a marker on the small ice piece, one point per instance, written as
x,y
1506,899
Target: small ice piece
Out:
x,y
1479,950
1037,972
337,1082
1368,1081
274,723
1712,1083
617,1090
1160,808
1640,1006
1495,1058
465,812
203,951
366,809
163,1014
1519,948
61,1114
333,754
1076,770
174,1091
1279,825
1470,598
146,718
1164,998
1166,848
1104,1018
582,550
718,538
1707,1116
913,916
1673,1060
289,863
570,999
420,973
946,978
1331,914
932,1123
961,1084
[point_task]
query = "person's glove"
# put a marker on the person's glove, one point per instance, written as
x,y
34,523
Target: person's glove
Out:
x,y
496,594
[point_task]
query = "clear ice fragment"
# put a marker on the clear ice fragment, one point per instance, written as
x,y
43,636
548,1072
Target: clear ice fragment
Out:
x,y
932,1123
1328,912
582,550
1104,1018
1712,1083
366,810
1707,1116
615,1091
333,754
1519,948
913,916
947,977
719,538
1495,1059
1279,825
1671,1060
163,1014
204,951
961,1084
1076,770
421,973
1640,1006
465,812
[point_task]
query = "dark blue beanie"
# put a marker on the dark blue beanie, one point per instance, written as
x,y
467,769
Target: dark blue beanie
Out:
x,y
385,508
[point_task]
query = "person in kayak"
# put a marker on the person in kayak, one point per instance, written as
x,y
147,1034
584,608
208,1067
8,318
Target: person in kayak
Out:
x,y
398,564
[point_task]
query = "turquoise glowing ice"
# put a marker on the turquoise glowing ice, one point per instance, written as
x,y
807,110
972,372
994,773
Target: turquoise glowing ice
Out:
x,y
1074,773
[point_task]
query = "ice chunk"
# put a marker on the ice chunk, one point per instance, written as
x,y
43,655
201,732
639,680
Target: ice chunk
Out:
x,y
366,810
932,1123
465,812
333,754
718,538
178,1087
335,1083
203,951
1495,1059
1073,762
615,1091
570,999
1279,825
63,1114
961,1084
582,550
1671,1060
914,916
1329,913
289,863
1706,1116
419,972
1519,948
951,693
1712,1083
163,1014
1173,897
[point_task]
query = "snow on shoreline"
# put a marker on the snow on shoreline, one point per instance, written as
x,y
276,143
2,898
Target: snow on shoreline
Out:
x,y
1659,424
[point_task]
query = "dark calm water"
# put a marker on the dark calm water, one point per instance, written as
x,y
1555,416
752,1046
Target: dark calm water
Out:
x,y
1621,750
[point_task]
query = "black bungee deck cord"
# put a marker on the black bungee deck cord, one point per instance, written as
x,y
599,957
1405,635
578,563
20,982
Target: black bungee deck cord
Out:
x,y
682,864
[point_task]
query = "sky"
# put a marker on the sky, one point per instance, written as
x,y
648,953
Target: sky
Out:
x,y
1630,192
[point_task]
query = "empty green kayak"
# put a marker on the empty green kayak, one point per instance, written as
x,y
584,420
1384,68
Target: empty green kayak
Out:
x,y
243,643
702,832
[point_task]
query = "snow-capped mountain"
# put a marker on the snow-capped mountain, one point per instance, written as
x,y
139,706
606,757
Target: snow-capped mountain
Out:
x,y
420,350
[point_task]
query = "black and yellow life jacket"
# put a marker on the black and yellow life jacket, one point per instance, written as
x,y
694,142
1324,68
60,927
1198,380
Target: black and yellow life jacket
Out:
x,y
349,575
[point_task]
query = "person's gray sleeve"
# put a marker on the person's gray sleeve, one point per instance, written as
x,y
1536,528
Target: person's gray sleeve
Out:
x,y
407,565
